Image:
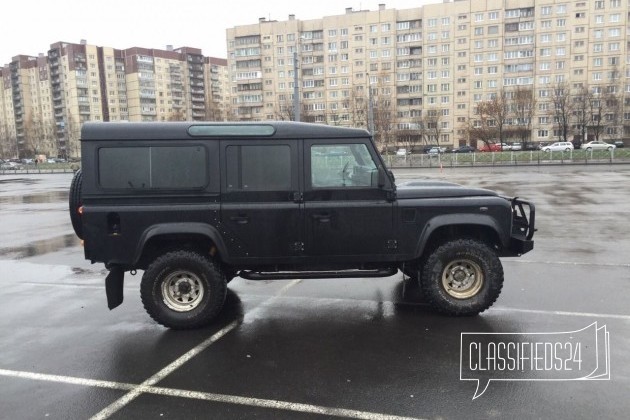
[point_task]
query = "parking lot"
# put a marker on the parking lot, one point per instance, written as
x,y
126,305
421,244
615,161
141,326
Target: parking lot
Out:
x,y
347,348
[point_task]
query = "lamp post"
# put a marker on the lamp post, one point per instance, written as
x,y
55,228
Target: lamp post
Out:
x,y
296,88
370,107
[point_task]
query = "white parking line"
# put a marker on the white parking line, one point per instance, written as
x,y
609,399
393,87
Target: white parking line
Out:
x,y
142,388
576,263
562,313
67,380
207,396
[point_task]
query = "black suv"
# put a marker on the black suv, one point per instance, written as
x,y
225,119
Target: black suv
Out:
x,y
197,204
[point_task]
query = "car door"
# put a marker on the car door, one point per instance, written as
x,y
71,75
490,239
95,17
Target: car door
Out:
x,y
261,203
347,216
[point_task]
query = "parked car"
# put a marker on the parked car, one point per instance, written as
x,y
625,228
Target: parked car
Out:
x,y
517,146
402,152
598,145
10,166
436,150
559,146
492,147
361,228
619,143
464,149
504,146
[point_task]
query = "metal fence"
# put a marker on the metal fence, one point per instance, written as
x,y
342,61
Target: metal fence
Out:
x,y
510,158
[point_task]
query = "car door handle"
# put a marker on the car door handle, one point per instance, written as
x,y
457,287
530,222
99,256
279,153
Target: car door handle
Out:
x,y
321,217
241,220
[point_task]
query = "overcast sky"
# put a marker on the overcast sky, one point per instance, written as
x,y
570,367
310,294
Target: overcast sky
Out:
x,y
30,26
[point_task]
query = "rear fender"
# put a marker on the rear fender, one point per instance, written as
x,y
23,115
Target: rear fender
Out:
x,y
165,229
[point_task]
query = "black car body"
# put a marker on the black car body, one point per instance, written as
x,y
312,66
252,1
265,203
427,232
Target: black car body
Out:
x,y
273,201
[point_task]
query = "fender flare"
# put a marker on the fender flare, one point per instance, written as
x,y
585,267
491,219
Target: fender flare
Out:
x,y
163,229
464,219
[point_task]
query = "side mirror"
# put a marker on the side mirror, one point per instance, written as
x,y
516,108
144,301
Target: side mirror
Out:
x,y
382,176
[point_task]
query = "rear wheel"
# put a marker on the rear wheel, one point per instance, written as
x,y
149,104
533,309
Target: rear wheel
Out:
x,y
462,277
74,203
182,290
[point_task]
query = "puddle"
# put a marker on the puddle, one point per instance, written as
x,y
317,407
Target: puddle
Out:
x,y
42,247
39,198
27,181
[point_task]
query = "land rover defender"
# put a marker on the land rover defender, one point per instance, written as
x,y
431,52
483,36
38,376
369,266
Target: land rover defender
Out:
x,y
195,204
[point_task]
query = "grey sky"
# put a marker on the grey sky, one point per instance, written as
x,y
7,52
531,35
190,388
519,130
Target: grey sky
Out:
x,y
32,25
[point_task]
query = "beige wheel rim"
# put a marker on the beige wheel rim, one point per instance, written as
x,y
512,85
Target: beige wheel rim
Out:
x,y
462,278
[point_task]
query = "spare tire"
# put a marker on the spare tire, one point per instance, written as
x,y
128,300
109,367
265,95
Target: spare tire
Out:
x,y
75,201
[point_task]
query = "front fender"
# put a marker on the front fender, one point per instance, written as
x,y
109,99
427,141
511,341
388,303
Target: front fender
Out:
x,y
463,219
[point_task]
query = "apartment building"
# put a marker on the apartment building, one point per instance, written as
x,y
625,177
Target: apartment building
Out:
x,y
217,89
431,66
45,100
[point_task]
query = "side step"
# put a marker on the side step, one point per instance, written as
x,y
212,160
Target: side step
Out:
x,y
287,275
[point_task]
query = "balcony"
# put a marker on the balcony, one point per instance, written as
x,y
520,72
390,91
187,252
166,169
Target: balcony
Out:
x,y
201,107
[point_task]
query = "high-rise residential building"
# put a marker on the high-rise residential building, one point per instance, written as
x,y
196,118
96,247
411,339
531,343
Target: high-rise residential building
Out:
x,y
45,100
26,113
429,69
217,89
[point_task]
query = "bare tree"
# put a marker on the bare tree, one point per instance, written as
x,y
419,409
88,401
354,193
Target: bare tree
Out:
x,y
214,110
562,110
177,115
524,108
498,109
383,117
581,113
358,106
283,112
597,111
482,127
432,126
613,97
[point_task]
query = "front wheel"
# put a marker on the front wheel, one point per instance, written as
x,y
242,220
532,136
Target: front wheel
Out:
x,y
462,277
183,290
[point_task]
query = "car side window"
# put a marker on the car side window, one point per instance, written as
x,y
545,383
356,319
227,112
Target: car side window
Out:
x,y
156,167
258,168
342,166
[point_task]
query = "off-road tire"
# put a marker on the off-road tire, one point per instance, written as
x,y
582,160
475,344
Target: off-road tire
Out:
x,y
204,272
74,202
465,255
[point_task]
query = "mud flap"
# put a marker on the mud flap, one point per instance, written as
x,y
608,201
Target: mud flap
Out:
x,y
114,287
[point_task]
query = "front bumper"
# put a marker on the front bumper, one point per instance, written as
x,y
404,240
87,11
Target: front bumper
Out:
x,y
523,226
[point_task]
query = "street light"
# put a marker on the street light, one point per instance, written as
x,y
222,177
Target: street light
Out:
x,y
296,89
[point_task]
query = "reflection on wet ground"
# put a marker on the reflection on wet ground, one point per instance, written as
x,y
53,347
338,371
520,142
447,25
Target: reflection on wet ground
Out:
x,y
41,247
39,198
27,181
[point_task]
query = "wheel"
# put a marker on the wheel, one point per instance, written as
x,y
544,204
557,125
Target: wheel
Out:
x,y
567,149
609,149
182,290
74,202
462,277
588,149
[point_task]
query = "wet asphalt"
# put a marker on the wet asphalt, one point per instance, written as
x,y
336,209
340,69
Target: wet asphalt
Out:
x,y
353,348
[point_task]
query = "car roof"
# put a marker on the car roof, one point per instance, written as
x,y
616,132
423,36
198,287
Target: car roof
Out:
x,y
116,131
